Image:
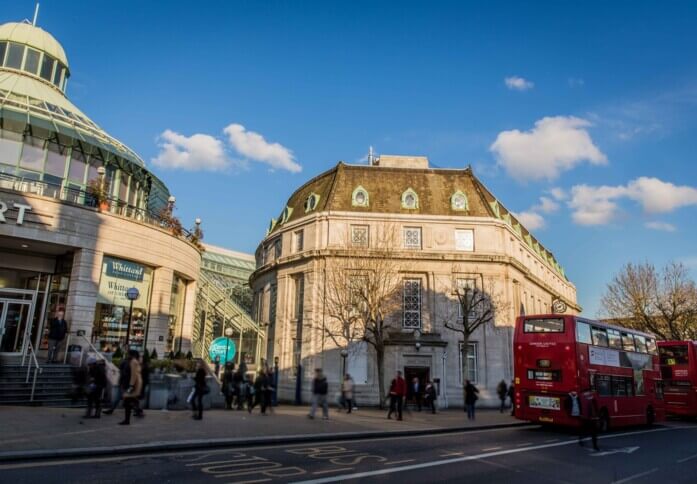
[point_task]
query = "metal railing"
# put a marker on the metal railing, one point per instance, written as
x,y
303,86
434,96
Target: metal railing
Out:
x,y
112,371
31,363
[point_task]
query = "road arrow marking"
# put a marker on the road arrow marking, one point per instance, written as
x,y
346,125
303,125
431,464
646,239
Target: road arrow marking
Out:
x,y
623,450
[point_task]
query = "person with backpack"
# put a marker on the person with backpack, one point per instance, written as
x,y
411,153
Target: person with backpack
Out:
x,y
471,398
320,388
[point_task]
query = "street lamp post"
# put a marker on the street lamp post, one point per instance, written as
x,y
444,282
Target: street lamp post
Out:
x,y
131,294
344,354
228,333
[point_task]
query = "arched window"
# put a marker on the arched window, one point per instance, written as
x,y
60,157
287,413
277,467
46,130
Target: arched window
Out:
x,y
311,202
285,215
359,197
458,201
410,200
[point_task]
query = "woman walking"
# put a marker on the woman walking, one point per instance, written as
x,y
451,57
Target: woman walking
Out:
x,y
200,389
347,392
135,386
470,398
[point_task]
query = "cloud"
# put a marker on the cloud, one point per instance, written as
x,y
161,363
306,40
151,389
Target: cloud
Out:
x,y
666,227
554,145
191,153
254,147
558,194
547,205
516,83
598,205
530,220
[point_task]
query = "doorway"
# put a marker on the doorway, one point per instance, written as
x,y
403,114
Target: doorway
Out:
x,y
15,317
423,373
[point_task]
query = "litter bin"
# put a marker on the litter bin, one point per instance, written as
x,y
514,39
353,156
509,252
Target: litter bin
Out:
x,y
74,354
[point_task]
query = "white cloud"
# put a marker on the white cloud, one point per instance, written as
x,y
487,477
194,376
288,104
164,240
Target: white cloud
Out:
x,y
554,145
191,153
598,205
664,226
517,83
254,147
558,193
530,220
547,205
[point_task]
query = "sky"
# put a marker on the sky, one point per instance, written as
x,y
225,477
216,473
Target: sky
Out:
x,y
581,117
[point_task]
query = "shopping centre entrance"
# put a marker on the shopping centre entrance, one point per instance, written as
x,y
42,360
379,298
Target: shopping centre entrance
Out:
x,y
16,315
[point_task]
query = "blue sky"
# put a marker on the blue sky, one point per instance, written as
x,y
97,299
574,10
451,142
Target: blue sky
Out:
x,y
592,106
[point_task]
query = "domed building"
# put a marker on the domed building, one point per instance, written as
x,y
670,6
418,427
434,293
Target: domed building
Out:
x,y
434,231
82,219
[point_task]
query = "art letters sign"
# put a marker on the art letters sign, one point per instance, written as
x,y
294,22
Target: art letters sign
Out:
x,y
21,209
118,276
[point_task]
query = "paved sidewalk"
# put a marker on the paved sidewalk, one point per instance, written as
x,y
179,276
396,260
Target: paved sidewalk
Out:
x,y
28,431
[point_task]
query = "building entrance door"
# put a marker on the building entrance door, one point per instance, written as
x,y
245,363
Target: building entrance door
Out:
x,y
423,373
15,317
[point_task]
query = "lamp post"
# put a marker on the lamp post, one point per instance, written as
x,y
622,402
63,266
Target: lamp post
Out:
x,y
344,354
228,334
131,294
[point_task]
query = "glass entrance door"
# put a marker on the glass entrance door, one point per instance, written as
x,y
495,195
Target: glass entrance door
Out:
x,y
15,315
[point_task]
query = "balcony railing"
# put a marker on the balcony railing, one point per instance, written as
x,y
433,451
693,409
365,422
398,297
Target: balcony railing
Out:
x,y
83,198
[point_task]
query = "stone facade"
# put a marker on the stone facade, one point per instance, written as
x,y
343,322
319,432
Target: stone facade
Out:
x,y
501,255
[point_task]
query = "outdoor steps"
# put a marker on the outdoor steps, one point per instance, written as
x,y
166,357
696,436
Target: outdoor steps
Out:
x,y
53,385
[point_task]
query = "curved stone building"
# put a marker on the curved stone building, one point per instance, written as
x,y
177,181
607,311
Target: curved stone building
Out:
x,y
447,230
80,218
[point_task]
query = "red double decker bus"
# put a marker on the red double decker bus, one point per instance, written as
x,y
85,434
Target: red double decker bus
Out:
x,y
679,372
556,354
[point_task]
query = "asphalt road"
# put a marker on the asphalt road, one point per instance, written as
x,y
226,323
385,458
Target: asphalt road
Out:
x,y
666,453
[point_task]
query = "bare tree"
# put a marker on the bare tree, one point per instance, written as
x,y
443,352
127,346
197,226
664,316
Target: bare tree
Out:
x,y
476,306
663,302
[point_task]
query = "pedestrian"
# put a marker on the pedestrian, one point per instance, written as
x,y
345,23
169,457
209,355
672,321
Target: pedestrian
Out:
x,y
240,389
200,389
511,396
430,396
398,389
470,399
502,391
347,392
415,392
145,376
135,386
217,366
249,392
320,388
228,384
95,387
124,380
57,329
588,407
260,385
268,391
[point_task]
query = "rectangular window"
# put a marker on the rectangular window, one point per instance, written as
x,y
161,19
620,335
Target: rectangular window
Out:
x,y
277,248
555,325
32,153
464,240
628,342
57,75
78,165
3,49
472,362
412,304
614,340
55,159
640,343
412,237
47,67
622,386
603,385
31,64
583,333
651,346
674,355
599,336
299,240
14,56
360,235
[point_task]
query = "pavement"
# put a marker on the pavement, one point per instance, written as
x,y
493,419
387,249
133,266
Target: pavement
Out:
x,y
530,454
50,433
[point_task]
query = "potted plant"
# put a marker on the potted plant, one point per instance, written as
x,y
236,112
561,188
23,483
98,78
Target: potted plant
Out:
x,y
99,194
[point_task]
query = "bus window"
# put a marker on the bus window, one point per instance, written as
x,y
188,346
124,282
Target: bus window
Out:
x,y
674,355
613,339
603,385
599,336
651,346
640,343
583,333
628,342
621,386
639,382
544,325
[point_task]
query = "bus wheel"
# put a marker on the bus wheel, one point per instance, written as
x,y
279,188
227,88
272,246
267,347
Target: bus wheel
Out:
x,y
604,421
650,416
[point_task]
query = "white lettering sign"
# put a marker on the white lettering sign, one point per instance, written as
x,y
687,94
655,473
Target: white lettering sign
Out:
x,y
603,356
21,210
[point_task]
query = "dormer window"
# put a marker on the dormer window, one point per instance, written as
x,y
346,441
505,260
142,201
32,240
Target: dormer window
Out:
x,y
311,202
359,197
285,215
410,200
459,201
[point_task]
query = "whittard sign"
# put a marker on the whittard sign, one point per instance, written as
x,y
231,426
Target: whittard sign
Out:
x,y
124,270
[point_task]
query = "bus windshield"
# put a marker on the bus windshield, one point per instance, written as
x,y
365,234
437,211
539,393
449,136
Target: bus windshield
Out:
x,y
674,355
555,325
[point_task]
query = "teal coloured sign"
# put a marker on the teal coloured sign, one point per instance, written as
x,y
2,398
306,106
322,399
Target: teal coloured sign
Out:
x,y
218,348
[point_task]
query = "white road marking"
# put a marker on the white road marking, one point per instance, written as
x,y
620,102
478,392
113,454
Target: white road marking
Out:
x,y
398,462
551,440
489,449
523,444
635,476
625,450
456,460
329,471
687,458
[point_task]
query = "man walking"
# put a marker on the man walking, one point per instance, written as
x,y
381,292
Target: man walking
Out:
x,y
588,407
430,395
57,329
415,392
135,386
398,389
320,388
470,398
502,391
95,387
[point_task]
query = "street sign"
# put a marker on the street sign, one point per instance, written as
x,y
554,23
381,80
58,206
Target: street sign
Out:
x,y
132,293
224,348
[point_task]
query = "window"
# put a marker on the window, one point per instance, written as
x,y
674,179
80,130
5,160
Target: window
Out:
x,y
614,339
47,67
55,159
58,75
651,346
311,202
555,325
640,343
599,336
31,64
32,153
410,200
674,355
78,166
472,362
622,386
298,246
412,237
14,56
583,333
628,342
458,201
411,304
603,385
544,375
10,146
277,248
360,235
464,239
3,49
285,215
359,197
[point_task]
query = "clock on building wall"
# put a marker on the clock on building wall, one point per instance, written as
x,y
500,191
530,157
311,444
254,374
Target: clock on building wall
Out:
x,y
559,306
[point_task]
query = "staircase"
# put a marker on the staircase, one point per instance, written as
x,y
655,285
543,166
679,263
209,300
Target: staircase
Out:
x,y
53,385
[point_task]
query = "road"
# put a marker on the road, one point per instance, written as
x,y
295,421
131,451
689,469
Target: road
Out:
x,y
666,453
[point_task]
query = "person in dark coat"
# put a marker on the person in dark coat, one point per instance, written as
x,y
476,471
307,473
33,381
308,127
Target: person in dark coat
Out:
x,y
200,389
398,390
228,384
124,380
57,329
430,396
95,387
320,389
261,389
502,391
471,398
415,392
240,389
249,392
145,377
589,418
